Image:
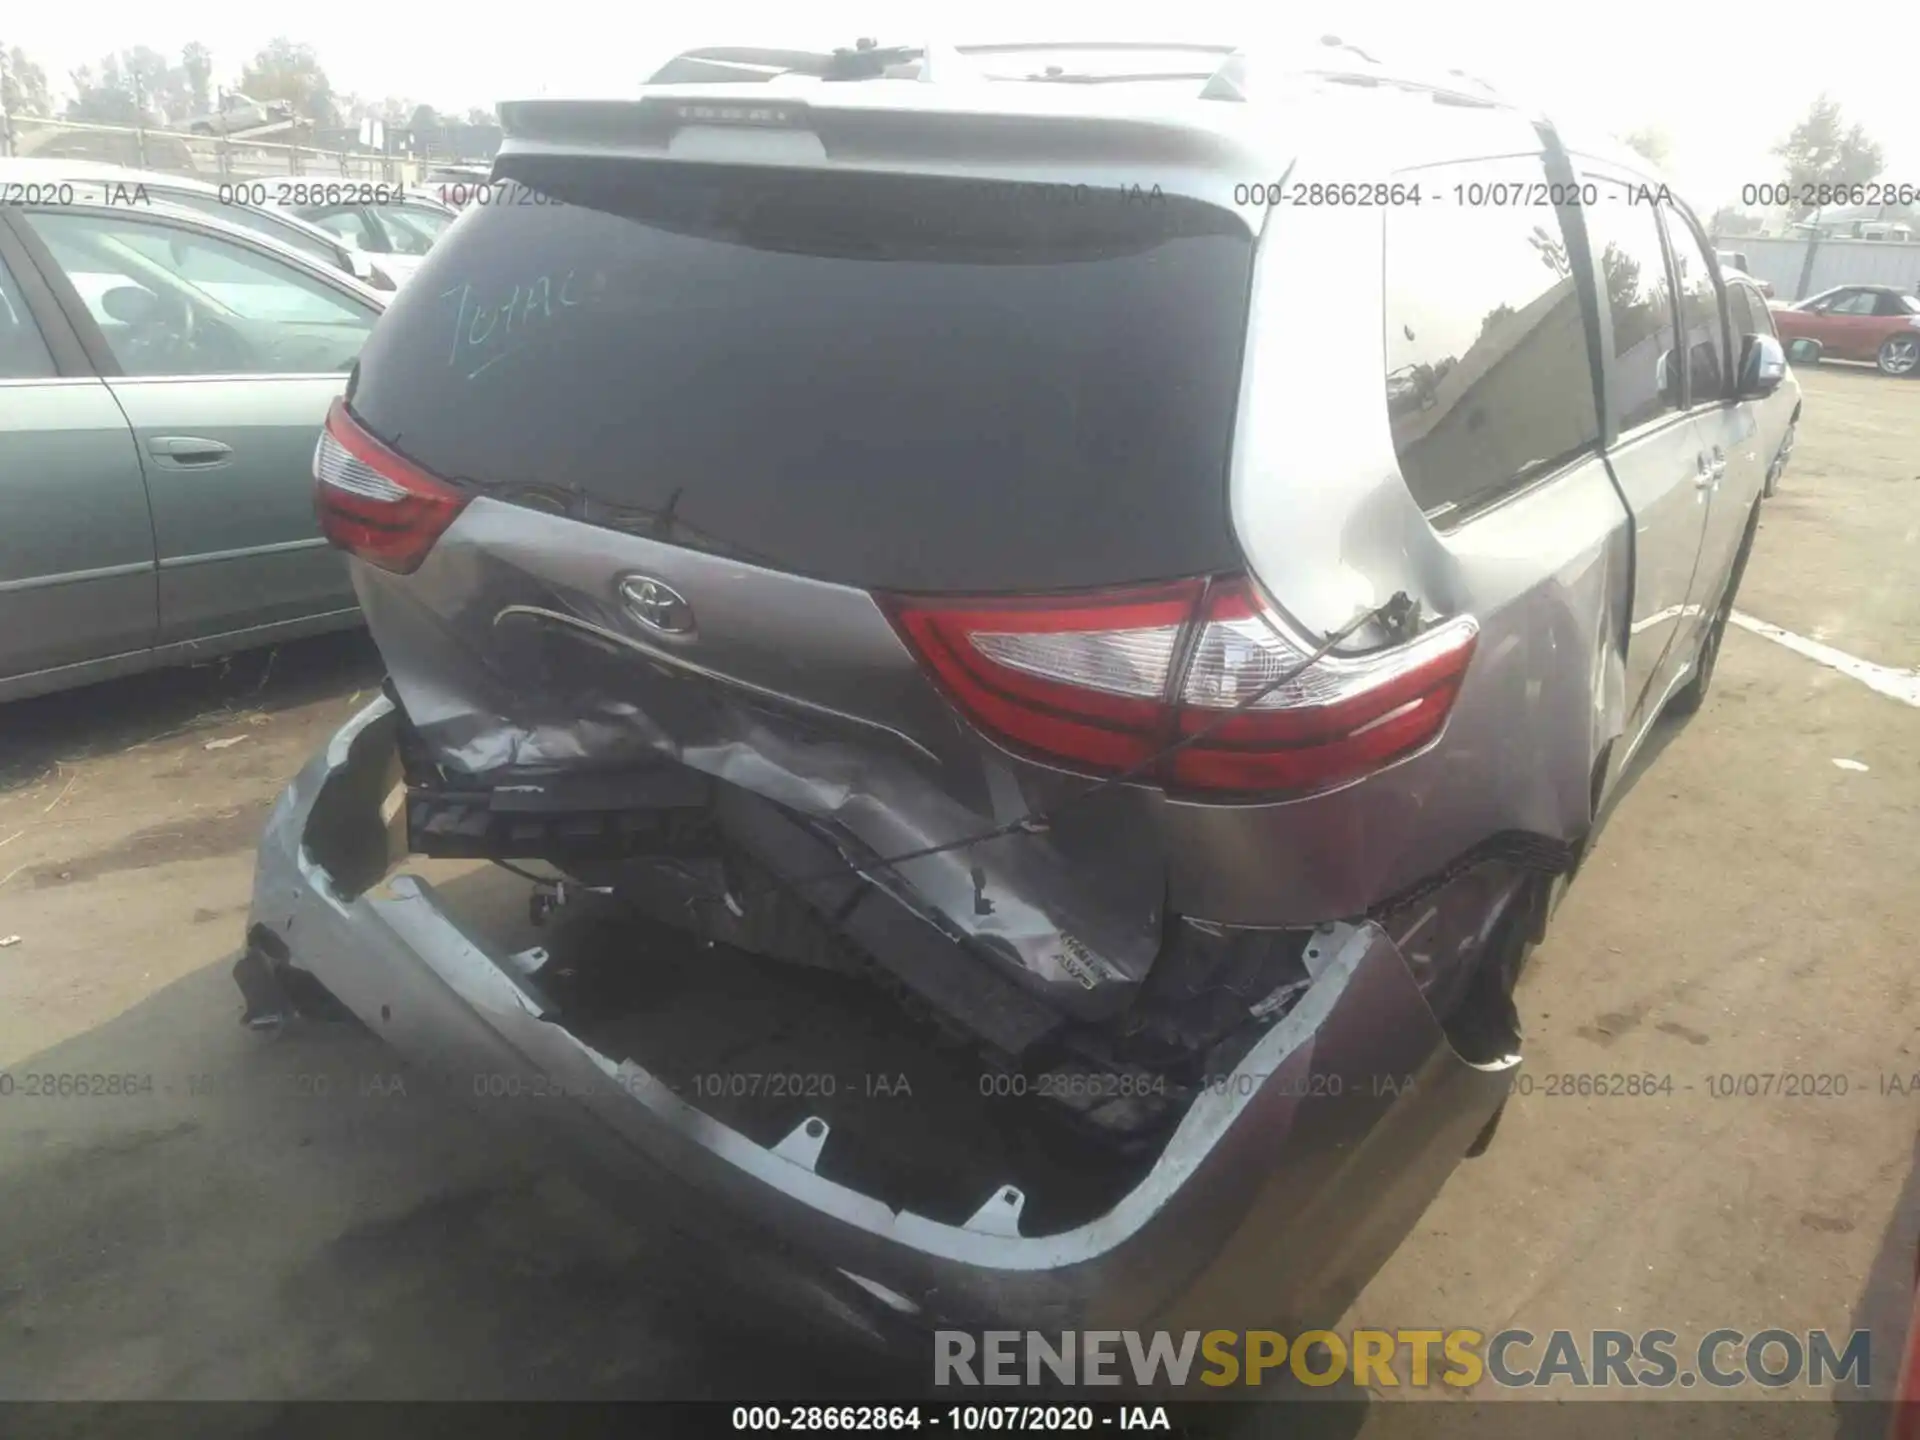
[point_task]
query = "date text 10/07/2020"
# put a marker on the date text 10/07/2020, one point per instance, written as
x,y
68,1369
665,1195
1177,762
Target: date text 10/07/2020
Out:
x,y
1016,1419
1468,195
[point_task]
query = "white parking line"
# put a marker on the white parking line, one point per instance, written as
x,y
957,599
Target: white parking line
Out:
x,y
1902,685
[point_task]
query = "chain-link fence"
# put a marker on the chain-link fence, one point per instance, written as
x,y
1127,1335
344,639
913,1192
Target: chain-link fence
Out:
x,y
210,157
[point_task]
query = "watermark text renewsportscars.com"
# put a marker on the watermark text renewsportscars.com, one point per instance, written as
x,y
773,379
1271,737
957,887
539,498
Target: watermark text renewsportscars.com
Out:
x,y
1721,1359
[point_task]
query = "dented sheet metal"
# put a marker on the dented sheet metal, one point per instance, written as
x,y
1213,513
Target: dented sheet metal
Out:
x,y
513,653
1278,1194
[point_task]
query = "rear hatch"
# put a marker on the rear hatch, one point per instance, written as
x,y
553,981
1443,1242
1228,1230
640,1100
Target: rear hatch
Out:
x,y
885,382
823,420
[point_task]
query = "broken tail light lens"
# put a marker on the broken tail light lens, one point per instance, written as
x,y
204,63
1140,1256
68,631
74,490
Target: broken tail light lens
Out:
x,y
1105,682
1339,719
1082,678
374,504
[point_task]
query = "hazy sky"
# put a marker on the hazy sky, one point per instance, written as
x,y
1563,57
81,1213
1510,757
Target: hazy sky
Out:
x,y
1725,85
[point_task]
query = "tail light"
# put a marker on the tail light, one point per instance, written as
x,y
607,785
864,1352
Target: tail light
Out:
x,y
1105,682
372,503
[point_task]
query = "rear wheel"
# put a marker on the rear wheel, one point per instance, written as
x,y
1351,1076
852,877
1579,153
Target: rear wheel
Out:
x,y
1688,699
1899,355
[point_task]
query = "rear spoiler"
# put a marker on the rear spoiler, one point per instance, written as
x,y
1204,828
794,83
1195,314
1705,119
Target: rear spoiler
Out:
x,y
734,64
919,130
1223,72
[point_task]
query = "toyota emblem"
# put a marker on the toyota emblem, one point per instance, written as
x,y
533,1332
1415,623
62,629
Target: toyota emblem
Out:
x,y
656,605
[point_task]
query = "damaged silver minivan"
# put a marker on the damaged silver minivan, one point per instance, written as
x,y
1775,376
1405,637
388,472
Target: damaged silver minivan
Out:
x,y
1110,608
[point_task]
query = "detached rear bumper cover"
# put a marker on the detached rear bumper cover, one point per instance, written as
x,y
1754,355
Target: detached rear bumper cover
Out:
x,y
1285,1186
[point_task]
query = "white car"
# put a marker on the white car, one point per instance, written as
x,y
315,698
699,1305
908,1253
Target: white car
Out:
x,y
92,180
397,234
238,113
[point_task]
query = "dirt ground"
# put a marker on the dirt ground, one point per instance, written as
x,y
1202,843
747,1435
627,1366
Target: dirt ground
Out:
x,y
233,1233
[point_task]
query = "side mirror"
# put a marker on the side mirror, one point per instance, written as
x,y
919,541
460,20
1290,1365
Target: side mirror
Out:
x,y
1805,351
131,305
1763,365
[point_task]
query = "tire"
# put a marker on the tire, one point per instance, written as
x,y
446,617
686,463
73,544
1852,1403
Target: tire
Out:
x,y
1899,354
1688,699
1779,465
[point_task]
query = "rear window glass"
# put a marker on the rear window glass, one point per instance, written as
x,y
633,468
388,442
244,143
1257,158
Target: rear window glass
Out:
x,y
1488,379
886,381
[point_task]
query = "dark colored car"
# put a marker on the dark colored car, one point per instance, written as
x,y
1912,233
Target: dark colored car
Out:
x,y
1858,322
1003,601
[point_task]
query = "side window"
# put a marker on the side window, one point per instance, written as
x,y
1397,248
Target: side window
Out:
x,y
1763,318
23,351
1633,267
1700,320
1887,303
412,230
1740,317
1488,383
1853,302
251,219
352,227
174,301
193,200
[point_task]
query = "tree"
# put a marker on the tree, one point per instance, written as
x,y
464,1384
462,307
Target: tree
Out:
x,y
1729,221
1637,313
423,118
1651,144
481,116
196,70
106,97
158,88
290,72
135,87
1818,151
1493,320
25,90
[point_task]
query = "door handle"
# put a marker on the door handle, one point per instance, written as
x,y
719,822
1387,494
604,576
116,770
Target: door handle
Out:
x,y
188,452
